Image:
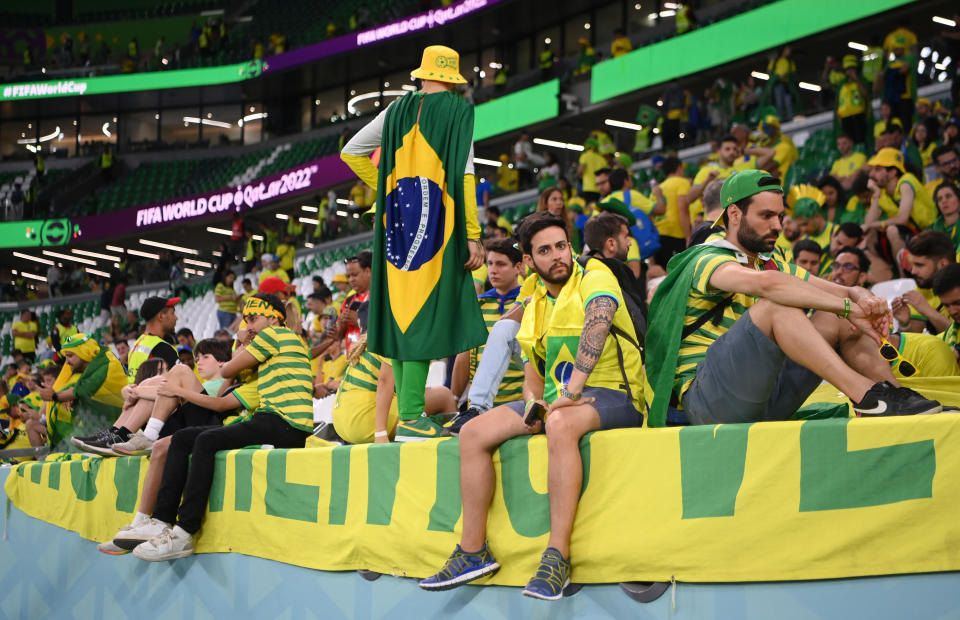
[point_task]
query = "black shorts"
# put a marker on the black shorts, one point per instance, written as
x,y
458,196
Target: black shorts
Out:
x,y
187,415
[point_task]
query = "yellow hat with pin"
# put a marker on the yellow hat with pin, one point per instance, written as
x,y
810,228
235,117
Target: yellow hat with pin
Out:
x,y
440,64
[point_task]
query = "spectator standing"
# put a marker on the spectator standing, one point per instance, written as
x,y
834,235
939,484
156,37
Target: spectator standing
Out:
x,y
586,57
525,160
226,298
25,335
178,283
675,104
484,190
782,72
589,163
674,225
852,99
413,285
508,178
621,43
850,164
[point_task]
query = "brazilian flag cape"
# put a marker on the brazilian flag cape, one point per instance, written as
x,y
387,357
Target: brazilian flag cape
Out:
x,y
423,303
667,310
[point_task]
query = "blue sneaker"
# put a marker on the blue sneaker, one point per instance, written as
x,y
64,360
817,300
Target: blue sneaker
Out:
x,y
460,568
551,577
462,419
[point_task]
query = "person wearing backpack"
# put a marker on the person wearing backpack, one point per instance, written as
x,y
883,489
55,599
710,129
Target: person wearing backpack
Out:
x,y
580,376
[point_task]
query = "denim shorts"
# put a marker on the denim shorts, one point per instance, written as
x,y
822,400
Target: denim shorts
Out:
x,y
613,406
746,377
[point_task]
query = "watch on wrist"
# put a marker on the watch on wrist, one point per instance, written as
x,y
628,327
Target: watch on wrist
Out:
x,y
564,392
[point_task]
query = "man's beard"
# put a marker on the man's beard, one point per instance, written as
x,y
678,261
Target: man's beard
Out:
x,y
927,283
556,279
752,242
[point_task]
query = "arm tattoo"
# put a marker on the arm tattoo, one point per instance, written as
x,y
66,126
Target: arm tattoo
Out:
x,y
596,326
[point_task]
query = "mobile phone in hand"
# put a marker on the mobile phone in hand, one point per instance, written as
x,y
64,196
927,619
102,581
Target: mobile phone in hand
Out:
x,y
537,411
355,305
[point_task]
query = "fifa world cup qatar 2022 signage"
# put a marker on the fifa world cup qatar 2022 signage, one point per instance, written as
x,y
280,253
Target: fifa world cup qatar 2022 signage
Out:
x,y
309,177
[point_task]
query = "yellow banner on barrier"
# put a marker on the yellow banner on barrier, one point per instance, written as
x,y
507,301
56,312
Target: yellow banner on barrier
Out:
x,y
773,501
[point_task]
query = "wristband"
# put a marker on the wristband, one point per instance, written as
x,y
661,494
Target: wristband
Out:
x,y
381,434
846,309
55,397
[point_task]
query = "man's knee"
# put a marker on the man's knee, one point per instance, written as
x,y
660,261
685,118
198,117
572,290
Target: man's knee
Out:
x,y
562,428
159,448
180,372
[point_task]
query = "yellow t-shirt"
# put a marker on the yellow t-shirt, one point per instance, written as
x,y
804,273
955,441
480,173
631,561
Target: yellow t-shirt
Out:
x,y
782,66
845,166
929,354
620,46
591,162
785,153
924,212
635,200
934,302
508,179
358,195
668,224
696,206
25,345
269,273
286,253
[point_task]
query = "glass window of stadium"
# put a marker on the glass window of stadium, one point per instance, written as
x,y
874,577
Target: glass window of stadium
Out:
x,y
573,30
608,18
253,123
180,126
12,133
136,130
58,136
364,98
489,60
99,130
329,106
222,124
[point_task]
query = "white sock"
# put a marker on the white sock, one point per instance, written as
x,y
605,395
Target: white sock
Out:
x,y
179,532
137,518
152,431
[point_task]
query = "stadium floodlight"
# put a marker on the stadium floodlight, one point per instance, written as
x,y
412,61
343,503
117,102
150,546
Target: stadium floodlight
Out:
x,y
255,117
559,145
257,237
944,21
808,86
351,104
760,75
487,162
220,231
35,259
168,246
76,259
96,272
282,216
144,254
342,201
308,244
342,213
410,87
860,47
33,276
205,121
623,124
198,263
309,220
96,255
106,129
113,248
310,209
667,13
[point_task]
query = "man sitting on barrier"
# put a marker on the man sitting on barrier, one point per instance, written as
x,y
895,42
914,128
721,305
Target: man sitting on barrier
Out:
x,y
583,370
284,419
729,340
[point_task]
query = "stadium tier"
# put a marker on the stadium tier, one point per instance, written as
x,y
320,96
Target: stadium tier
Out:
x,y
327,308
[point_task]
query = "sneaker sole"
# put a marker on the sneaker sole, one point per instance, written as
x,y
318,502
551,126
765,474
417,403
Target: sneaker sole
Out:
x,y
108,551
124,452
98,450
461,579
542,597
931,411
129,544
406,438
175,555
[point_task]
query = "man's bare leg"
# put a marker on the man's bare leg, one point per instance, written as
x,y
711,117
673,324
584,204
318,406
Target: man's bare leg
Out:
x,y
857,349
478,439
796,335
565,471
180,376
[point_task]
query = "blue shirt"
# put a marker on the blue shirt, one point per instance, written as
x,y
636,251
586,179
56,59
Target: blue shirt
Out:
x,y
483,186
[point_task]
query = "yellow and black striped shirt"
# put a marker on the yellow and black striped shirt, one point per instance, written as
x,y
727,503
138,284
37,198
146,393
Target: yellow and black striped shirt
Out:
x,y
284,377
493,306
703,298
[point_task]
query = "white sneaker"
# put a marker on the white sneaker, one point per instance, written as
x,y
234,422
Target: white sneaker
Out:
x,y
138,445
132,535
166,546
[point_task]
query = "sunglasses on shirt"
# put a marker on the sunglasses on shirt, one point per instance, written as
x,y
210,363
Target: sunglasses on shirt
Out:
x,y
892,355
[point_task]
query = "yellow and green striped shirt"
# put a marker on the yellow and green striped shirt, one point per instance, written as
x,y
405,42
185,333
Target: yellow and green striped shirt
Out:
x,y
284,379
224,290
361,376
493,306
703,297
951,335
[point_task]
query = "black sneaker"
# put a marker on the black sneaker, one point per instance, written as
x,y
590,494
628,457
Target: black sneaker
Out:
x,y
103,445
79,441
883,399
463,418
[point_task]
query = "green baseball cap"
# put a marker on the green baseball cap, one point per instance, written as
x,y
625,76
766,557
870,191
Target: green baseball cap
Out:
x,y
745,183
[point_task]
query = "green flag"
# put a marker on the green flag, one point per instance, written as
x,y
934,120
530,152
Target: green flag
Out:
x,y
423,304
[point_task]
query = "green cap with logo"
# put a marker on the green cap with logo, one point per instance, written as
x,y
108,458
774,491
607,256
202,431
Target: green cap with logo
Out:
x,y
745,183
